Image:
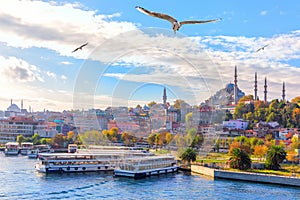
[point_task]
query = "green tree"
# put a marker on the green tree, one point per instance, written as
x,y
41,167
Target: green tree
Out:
x,y
178,103
93,138
36,139
239,159
152,103
275,156
189,119
188,155
228,115
151,139
20,139
168,137
59,141
190,136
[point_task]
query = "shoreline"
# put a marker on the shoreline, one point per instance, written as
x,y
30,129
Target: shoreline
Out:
x,y
246,176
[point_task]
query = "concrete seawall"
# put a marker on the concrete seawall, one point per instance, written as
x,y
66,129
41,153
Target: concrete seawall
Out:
x,y
245,176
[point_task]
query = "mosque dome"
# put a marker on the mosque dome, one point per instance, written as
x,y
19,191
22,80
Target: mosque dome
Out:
x,y
13,108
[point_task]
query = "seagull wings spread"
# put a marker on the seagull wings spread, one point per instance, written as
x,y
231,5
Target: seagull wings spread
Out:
x,y
198,21
156,14
80,47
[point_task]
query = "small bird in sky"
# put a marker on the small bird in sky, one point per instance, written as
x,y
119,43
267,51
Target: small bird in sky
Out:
x,y
262,48
80,47
175,24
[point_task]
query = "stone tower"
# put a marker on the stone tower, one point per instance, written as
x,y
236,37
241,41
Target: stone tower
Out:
x,y
265,92
165,96
283,91
235,86
255,87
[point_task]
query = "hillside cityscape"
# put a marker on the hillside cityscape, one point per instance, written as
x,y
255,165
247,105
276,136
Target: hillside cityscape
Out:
x,y
229,113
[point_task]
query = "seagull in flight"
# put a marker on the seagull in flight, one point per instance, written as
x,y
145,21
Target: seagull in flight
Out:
x,y
175,24
79,47
262,48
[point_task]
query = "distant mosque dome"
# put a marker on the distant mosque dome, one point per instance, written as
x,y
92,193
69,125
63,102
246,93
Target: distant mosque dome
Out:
x,y
13,108
229,87
146,108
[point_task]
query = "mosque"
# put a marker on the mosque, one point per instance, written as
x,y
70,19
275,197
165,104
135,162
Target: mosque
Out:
x,y
14,110
231,94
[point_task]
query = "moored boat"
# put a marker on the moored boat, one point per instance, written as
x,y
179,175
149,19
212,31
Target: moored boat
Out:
x,y
84,161
25,146
146,166
11,148
33,153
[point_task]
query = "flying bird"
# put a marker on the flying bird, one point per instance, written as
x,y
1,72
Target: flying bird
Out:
x,y
80,47
175,24
262,48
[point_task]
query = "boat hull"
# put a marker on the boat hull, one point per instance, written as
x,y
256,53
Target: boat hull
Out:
x,y
72,169
144,173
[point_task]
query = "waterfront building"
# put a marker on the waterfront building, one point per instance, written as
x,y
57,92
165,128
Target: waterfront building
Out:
x,y
46,129
11,127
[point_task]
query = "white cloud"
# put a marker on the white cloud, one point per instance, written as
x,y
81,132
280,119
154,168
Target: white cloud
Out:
x,y
60,27
51,74
191,64
18,70
63,77
264,12
66,63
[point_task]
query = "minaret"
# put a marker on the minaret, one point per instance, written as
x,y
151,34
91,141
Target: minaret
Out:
x,y
235,86
283,91
165,96
255,87
10,101
22,104
265,92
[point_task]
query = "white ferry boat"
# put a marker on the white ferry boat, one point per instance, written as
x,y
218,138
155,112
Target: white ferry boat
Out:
x,y
84,161
67,162
25,146
11,148
146,166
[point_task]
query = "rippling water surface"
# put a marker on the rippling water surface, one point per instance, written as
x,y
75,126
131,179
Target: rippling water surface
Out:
x,y
19,180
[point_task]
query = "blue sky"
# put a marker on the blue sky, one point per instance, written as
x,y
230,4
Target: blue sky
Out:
x,y
131,56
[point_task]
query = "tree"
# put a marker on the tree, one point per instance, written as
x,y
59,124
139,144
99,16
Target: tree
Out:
x,y
151,139
190,136
156,140
296,99
240,159
59,141
188,155
168,137
260,151
244,147
217,145
70,136
295,143
93,138
275,155
20,139
189,118
36,139
228,115
152,103
178,103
